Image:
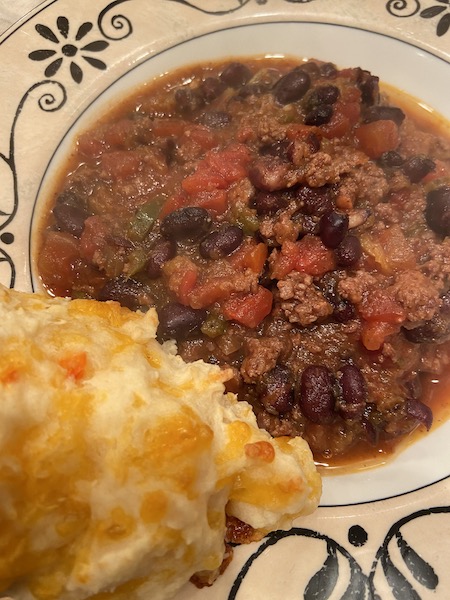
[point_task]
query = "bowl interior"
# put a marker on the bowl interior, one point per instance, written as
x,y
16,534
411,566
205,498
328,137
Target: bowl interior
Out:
x,y
397,63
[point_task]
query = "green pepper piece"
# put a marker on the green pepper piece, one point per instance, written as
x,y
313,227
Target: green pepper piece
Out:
x,y
144,219
247,219
136,261
213,326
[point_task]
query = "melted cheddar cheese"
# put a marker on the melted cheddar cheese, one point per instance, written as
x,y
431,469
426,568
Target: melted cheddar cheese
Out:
x,y
118,461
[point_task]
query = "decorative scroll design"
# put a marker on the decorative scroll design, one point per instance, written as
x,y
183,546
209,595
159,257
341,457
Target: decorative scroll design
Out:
x,y
399,564
409,8
114,26
52,97
403,8
221,7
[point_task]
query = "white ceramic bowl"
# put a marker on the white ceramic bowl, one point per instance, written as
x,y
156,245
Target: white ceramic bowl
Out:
x,y
43,114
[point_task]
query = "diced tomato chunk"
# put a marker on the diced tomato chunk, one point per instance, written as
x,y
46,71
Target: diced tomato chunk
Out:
x,y
204,179
201,135
120,164
346,113
94,237
351,110
374,333
250,256
186,284
168,127
215,201
380,306
338,126
90,145
300,131
249,309
390,250
210,291
377,137
231,162
174,202
120,134
308,255
56,259
218,169
181,276
114,136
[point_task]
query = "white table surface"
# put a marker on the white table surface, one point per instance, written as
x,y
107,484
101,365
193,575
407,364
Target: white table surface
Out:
x,y
12,10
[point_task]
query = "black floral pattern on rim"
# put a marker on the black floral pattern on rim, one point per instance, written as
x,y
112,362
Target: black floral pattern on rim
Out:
x,y
68,48
409,8
438,10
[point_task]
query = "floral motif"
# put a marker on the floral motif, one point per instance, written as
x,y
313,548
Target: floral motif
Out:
x,y
409,8
68,48
443,23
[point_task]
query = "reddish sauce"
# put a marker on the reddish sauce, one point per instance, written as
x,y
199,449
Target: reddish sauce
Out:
x,y
435,394
276,216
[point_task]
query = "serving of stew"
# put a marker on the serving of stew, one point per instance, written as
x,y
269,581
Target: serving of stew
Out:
x,y
288,220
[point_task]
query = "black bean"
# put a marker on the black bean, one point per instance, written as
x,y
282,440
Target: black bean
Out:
x,y
319,115
369,87
279,148
328,285
215,119
417,167
306,222
312,68
268,203
348,252
344,311
314,142
179,322
263,80
211,88
433,331
128,292
162,251
413,388
323,94
315,201
445,308
372,434
75,195
269,173
292,86
221,242
275,390
70,218
333,227
391,158
328,70
354,393
316,397
170,151
437,211
188,100
236,74
189,222
420,411
380,112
